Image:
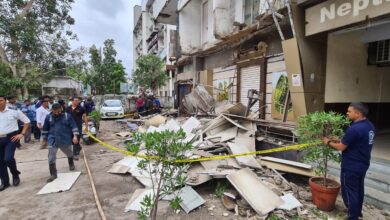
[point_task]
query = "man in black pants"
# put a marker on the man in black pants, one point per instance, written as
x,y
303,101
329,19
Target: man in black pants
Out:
x,y
9,140
79,115
356,148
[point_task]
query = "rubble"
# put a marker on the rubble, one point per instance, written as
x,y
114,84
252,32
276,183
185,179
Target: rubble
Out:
x,y
258,186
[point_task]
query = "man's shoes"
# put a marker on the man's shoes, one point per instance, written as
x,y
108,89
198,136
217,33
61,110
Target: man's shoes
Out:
x,y
3,187
71,163
16,181
53,172
43,146
76,157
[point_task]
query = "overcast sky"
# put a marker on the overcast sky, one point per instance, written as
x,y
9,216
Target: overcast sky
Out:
x,y
98,20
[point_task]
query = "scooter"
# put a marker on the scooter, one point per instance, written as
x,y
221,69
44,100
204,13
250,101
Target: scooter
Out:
x,y
91,129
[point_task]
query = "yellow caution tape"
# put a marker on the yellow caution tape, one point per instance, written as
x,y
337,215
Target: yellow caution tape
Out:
x,y
132,114
216,157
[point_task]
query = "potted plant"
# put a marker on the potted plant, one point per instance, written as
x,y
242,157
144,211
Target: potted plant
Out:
x,y
310,129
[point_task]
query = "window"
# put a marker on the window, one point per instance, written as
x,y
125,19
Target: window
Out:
x,y
383,51
379,53
253,8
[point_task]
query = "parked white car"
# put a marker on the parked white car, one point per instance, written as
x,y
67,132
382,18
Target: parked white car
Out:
x,y
112,108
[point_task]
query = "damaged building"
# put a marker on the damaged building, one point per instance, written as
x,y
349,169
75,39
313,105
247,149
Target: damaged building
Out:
x,y
284,59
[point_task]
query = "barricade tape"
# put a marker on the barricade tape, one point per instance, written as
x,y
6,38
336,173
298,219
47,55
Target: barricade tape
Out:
x,y
132,114
216,157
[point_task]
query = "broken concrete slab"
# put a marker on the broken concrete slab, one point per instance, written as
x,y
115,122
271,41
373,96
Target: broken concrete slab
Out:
x,y
218,172
156,121
190,199
289,202
288,168
245,139
63,183
202,153
172,125
287,162
249,160
262,199
213,164
234,109
234,123
190,124
198,99
228,134
134,203
125,165
194,177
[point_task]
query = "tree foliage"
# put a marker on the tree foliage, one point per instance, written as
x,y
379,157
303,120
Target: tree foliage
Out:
x,y
106,73
34,34
311,128
166,176
150,72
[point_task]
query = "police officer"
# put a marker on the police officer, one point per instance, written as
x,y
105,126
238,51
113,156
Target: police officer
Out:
x,y
59,131
356,148
9,140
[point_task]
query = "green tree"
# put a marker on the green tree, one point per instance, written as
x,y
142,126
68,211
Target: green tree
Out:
x,y
311,128
116,77
150,72
167,176
34,34
106,72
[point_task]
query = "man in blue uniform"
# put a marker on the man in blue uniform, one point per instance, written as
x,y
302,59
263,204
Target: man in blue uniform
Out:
x,y
356,148
59,131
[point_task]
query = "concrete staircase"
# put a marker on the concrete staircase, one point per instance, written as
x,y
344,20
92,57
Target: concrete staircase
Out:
x,y
377,182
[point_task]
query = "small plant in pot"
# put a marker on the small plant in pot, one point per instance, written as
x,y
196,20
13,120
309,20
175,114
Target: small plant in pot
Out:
x,y
310,129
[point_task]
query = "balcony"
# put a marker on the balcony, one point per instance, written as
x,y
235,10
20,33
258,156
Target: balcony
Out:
x,y
164,11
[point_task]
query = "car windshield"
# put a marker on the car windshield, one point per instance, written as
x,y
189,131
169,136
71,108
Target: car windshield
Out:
x,y
112,103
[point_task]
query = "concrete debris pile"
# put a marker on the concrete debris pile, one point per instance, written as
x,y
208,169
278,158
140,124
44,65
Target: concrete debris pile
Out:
x,y
199,100
259,189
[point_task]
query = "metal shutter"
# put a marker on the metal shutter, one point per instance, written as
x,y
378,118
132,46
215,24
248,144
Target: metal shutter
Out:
x,y
250,79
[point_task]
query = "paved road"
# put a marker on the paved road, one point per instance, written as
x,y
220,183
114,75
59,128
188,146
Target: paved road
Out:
x,y
114,190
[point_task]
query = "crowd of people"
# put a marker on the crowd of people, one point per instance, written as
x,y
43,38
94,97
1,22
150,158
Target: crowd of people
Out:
x,y
147,104
55,124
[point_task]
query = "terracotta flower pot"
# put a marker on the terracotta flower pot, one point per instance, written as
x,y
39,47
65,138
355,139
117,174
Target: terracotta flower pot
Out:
x,y
324,197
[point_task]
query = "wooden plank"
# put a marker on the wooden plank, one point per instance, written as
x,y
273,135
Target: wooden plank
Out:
x,y
262,199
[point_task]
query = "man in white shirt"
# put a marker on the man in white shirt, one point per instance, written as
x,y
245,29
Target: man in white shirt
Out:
x,y
9,140
42,112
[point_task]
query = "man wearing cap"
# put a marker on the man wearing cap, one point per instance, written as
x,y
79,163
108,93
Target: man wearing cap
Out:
x,y
59,131
9,140
356,146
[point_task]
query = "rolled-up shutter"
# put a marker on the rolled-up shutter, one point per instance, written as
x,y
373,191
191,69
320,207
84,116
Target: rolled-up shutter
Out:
x,y
249,79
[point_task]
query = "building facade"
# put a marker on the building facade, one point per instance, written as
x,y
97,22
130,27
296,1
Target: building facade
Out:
x,y
155,33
